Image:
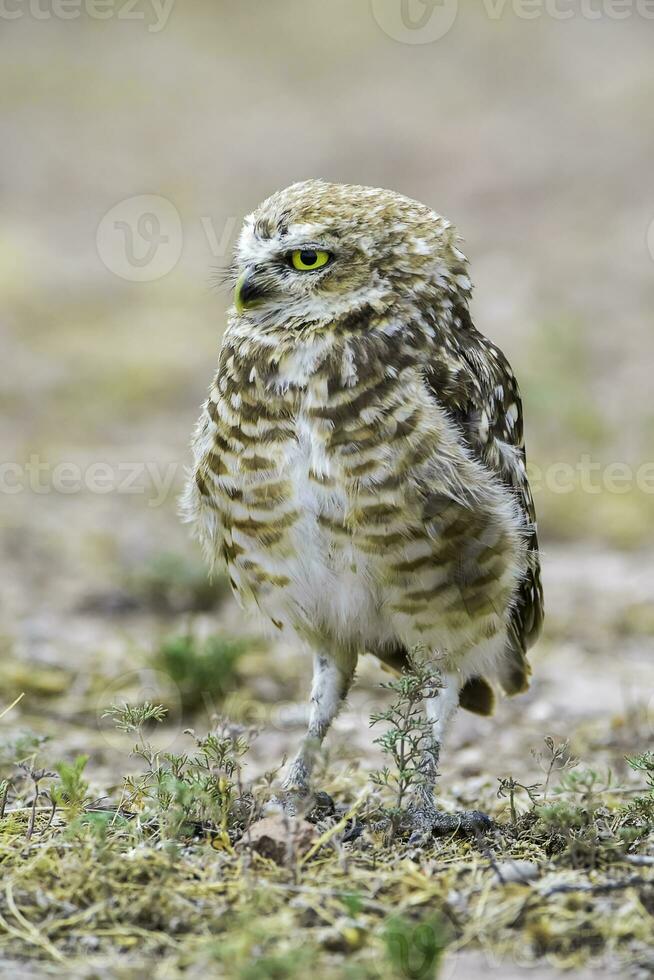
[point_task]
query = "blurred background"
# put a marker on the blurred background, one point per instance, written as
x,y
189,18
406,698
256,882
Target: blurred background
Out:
x,y
134,140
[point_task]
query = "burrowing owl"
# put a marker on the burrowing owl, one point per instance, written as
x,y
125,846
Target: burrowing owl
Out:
x,y
359,463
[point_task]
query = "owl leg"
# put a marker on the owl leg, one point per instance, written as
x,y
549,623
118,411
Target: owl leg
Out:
x,y
331,682
426,819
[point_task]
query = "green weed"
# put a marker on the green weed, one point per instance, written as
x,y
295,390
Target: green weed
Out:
x,y
203,671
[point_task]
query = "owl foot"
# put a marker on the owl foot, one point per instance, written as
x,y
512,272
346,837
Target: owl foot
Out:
x,y
425,824
293,802
301,802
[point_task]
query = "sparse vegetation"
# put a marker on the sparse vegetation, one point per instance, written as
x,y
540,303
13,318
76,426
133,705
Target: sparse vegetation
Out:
x,y
203,671
183,795
165,868
405,737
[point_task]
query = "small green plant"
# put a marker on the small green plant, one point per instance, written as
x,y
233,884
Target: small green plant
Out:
x,y
556,758
295,964
72,792
181,795
576,800
643,763
407,736
132,719
35,777
204,672
639,812
576,819
510,787
20,772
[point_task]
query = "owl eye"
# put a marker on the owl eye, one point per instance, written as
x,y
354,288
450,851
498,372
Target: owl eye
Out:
x,y
307,259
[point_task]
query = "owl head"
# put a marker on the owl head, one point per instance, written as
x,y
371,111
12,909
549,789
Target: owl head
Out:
x,y
315,252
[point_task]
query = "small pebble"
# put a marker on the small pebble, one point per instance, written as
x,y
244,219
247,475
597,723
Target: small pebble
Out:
x,y
278,837
524,871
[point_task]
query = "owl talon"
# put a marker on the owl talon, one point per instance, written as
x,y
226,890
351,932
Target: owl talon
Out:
x,y
425,825
292,802
300,802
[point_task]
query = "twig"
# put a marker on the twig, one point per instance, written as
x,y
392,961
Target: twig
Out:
x,y
599,889
52,815
12,705
32,820
3,797
29,933
327,836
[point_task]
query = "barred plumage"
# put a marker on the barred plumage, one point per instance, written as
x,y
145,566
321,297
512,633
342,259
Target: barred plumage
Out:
x,y
359,463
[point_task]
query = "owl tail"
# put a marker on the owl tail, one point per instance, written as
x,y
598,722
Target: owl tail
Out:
x,y
514,673
477,695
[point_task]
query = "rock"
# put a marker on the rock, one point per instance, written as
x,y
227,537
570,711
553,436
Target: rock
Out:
x,y
520,871
279,837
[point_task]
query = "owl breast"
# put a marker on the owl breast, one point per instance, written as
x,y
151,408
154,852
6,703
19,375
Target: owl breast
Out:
x,y
342,513
299,559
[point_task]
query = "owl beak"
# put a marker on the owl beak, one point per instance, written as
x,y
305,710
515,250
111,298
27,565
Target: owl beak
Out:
x,y
247,294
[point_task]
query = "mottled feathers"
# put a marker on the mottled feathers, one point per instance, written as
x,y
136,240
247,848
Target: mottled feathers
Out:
x,y
360,463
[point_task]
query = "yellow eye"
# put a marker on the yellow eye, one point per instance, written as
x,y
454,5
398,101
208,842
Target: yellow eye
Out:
x,y
307,259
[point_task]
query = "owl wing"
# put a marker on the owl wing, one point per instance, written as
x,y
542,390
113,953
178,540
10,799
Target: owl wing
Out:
x,y
472,379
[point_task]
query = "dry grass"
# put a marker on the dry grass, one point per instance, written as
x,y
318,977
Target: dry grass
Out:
x,y
166,873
